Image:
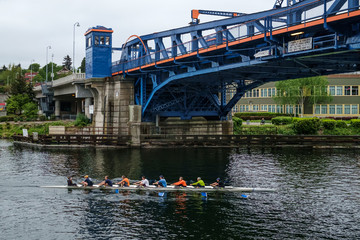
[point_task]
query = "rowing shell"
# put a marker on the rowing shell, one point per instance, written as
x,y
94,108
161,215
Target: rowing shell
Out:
x,y
168,188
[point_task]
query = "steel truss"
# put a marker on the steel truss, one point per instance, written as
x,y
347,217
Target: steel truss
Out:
x,y
189,79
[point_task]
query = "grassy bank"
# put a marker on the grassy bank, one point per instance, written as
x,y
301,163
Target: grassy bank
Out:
x,y
9,129
290,129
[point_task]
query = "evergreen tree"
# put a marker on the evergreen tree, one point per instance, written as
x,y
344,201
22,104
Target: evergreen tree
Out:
x,y
82,67
67,62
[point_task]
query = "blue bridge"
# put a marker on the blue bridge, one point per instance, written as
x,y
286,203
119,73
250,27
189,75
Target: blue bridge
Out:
x,y
187,72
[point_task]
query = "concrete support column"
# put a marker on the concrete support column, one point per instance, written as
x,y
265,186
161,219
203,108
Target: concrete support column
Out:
x,y
135,125
87,104
57,109
78,107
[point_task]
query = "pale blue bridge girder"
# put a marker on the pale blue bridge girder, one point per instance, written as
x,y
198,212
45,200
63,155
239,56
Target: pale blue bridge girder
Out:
x,y
186,72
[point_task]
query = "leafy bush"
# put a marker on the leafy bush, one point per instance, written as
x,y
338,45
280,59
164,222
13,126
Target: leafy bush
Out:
x,y
341,124
328,124
355,123
30,110
237,122
81,120
307,125
258,115
42,118
6,118
281,120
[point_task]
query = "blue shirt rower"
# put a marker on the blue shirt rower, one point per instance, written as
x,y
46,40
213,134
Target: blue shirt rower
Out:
x,y
87,182
106,182
161,182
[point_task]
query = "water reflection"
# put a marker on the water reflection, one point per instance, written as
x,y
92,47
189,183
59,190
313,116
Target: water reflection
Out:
x,y
317,197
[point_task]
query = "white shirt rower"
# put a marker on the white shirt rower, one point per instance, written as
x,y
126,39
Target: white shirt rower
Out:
x,y
144,182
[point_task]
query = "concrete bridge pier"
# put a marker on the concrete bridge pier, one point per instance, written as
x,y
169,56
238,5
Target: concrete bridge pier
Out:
x,y
112,98
87,105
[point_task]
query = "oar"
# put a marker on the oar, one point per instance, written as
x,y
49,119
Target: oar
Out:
x,y
244,196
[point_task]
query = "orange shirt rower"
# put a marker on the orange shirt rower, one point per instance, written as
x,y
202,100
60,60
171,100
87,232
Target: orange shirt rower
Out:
x,y
124,182
180,183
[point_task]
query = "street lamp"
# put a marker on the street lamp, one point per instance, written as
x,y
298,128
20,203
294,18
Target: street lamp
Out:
x,y
52,67
77,24
47,48
31,66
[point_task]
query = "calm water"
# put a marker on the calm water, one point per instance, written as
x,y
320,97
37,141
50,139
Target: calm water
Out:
x,y
318,194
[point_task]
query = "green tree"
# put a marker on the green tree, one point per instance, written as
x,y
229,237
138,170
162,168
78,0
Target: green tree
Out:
x,y
67,62
15,104
82,67
312,90
30,110
18,86
35,67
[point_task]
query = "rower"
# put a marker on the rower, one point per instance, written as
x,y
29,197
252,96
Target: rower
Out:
x,y
200,183
180,183
124,182
218,184
70,182
161,182
106,182
143,183
87,182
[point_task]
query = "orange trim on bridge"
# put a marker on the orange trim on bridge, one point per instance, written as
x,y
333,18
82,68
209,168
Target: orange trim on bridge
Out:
x,y
248,39
98,30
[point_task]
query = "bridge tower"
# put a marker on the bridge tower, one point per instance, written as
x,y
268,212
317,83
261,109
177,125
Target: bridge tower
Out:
x,y
98,52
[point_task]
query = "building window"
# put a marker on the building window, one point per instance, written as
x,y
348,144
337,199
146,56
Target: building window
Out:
x,y
339,109
355,90
247,108
88,42
323,109
331,109
107,42
317,109
332,90
347,91
265,93
273,92
262,93
96,40
102,40
339,90
347,109
269,92
354,109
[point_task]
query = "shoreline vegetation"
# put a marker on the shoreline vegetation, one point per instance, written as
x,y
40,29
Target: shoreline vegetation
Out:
x,y
244,124
286,125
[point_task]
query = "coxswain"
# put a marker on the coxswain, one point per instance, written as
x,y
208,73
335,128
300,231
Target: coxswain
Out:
x,y
218,183
106,182
124,182
87,182
143,183
200,183
161,182
70,182
180,183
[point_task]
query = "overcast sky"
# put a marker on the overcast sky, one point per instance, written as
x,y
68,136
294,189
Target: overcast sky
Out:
x,y
27,27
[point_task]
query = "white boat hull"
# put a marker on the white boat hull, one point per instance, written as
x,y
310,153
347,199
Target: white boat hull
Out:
x,y
168,188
